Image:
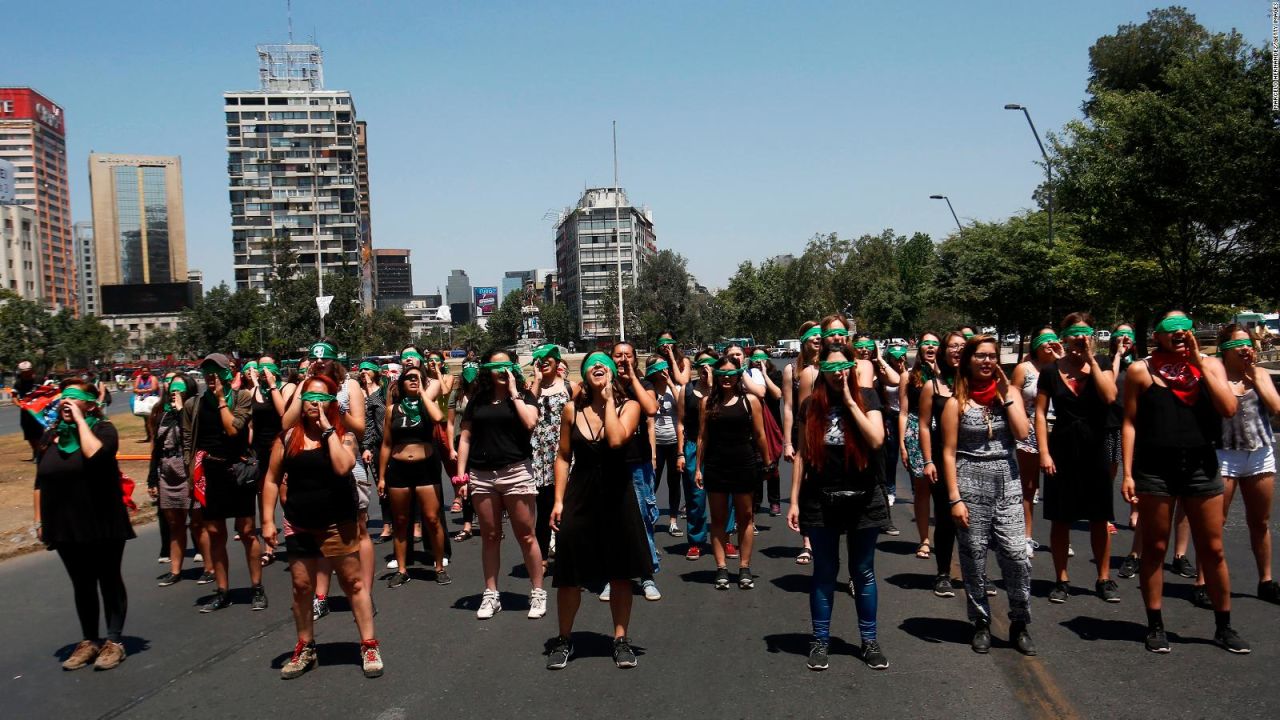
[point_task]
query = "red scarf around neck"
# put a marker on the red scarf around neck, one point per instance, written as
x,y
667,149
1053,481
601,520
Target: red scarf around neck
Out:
x,y
983,392
1181,376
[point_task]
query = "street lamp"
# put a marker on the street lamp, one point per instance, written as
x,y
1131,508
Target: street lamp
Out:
x,y
953,211
1048,170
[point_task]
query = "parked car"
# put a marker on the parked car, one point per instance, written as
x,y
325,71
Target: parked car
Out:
x,y
1102,336
1011,339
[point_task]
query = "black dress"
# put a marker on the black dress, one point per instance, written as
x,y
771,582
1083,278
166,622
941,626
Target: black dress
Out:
x,y
1082,488
80,499
731,460
602,535
870,508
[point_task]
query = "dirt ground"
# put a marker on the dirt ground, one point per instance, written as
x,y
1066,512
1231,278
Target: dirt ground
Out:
x,y
17,530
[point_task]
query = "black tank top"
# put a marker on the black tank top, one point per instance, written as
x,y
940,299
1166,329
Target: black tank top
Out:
x,y
730,441
266,422
937,405
692,414
404,432
318,497
913,397
1164,421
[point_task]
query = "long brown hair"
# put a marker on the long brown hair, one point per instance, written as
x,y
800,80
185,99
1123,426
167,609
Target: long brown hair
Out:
x,y
917,369
815,420
293,445
962,390
803,360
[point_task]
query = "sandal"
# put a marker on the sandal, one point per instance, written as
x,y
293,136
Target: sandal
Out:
x,y
805,557
923,551
461,535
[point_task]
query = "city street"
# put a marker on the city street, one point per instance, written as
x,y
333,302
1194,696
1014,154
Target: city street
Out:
x,y
727,654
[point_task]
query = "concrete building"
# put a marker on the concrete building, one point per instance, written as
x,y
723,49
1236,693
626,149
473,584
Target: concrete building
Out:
x,y
20,266
33,137
85,268
294,164
196,279
534,283
458,296
139,328
368,270
588,251
394,271
139,224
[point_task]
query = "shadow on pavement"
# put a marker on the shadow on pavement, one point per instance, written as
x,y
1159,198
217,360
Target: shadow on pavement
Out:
x,y
938,630
777,552
1091,628
332,653
911,581
897,547
594,644
798,644
700,577
793,583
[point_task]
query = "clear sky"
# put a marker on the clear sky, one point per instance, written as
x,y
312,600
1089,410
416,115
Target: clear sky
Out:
x,y
746,126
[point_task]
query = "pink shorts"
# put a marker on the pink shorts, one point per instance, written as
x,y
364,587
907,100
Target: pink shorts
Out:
x,y
514,479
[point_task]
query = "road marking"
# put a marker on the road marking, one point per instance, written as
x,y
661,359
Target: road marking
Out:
x,y
1033,683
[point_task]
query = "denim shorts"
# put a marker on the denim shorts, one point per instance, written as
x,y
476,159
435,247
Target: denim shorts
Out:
x,y
1247,463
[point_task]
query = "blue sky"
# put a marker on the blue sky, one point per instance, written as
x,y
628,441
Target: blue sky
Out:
x,y
746,126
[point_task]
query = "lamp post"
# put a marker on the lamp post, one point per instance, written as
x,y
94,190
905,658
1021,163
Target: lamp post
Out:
x,y
617,233
1048,170
953,211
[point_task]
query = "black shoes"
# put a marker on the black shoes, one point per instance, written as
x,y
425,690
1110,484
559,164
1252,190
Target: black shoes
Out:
x,y
559,651
746,580
873,656
259,598
1182,566
1128,567
623,655
205,578
1157,641
1229,640
1021,639
397,579
818,656
1060,592
442,577
1200,597
220,600
1108,591
722,578
1269,591
981,642
942,587
167,579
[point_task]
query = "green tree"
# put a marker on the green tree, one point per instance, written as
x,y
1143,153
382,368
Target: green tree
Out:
x,y
471,337
557,324
26,333
505,323
662,298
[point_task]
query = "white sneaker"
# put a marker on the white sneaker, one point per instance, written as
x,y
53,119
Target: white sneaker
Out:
x,y
604,594
1031,549
198,558
537,603
162,559
392,564
650,589
1071,552
490,605
892,499
674,529
1035,499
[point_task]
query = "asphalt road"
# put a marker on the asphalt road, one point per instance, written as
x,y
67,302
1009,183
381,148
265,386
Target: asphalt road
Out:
x,y
715,654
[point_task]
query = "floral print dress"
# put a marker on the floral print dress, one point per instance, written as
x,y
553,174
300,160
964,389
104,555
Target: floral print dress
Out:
x,y
546,436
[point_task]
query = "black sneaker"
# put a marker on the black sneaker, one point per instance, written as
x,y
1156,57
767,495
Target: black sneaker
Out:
x,y
1157,642
559,650
1021,639
892,530
397,579
623,655
722,578
442,577
981,642
1229,640
259,598
746,580
1269,591
220,600
1108,591
1060,592
873,656
1128,567
818,655
167,579
206,578
942,587
1200,597
1182,566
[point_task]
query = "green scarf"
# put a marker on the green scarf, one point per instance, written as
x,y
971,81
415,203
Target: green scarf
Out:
x,y
500,366
366,365
656,368
812,332
323,351
1078,331
176,385
1233,344
311,396
665,341
708,361
730,372
1174,323
69,434
412,410
831,366
897,352
865,345
1042,339
545,351
598,358
835,331
470,371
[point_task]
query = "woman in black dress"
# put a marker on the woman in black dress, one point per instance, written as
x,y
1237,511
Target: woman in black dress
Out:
x,y
600,534
80,513
271,395
1077,483
728,465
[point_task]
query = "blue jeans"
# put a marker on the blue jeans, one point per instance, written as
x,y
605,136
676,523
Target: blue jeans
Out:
x,y
642,481
862,568
698,521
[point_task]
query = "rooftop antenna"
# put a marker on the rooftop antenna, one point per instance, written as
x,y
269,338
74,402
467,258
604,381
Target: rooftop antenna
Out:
x,y
288,4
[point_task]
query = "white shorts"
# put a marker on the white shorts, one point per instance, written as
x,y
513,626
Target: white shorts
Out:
x,y
1247,463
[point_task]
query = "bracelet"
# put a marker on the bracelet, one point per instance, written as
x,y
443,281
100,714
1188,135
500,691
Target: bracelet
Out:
x,y
325,435
1008,403
955,502
928,462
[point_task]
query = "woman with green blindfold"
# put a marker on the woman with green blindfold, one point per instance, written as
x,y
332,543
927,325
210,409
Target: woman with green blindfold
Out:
x,y
1121,354
1174,404
79,513
1046,350
167,479
552,393
1247,457
668,349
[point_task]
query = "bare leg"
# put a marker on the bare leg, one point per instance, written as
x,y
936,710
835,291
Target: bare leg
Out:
x,y
1257,492
1182,531
920,507
1100,534
324,573
1156,512
303,572
429,501
718,504
177,521
1205,517
568,599
200,536
367,560
252,548
743,504
620,599
350,575
489,514
216,531
523,512
1029,472
400,502
1059,543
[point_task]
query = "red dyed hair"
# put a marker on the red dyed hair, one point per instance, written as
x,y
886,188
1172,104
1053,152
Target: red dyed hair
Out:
x,y
293,442
815,421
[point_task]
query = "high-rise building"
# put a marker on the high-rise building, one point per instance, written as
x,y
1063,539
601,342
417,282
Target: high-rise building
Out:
x,y
196,279
531,283
588,253
368,269
294,156
394,272
513,280
85,268
19,258
139,225
458,295
33,138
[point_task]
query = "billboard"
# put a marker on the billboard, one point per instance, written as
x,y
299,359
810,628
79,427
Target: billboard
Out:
x,y
7,182
147,299
486,300
27,104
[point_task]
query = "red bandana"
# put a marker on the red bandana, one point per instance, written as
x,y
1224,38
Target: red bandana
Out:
x,y
1182,377
983,393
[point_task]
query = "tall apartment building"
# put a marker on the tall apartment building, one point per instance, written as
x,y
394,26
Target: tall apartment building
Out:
x,y
394,273
33,138
85,268
458,295
294,156
525,281
139,224
20,260
368,268
588,252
